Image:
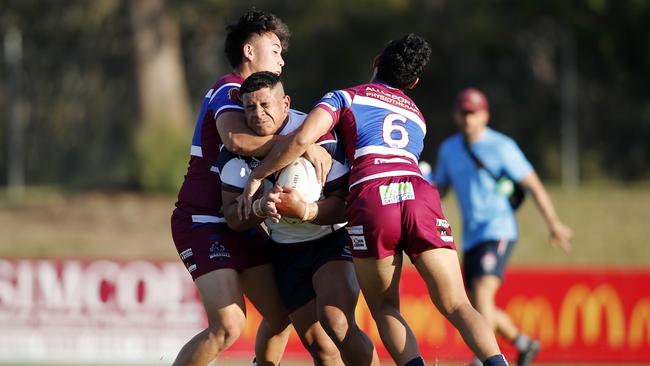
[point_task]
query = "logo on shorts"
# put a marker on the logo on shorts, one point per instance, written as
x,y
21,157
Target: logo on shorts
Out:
x,y
218,250
357,238
489,262
442,223
347,252
396,192
358,242
186,254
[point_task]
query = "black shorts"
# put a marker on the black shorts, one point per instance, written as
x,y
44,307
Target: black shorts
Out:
x,y
295,264
487,258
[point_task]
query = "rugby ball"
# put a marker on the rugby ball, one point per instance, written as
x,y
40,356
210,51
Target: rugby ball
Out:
x,y
301,176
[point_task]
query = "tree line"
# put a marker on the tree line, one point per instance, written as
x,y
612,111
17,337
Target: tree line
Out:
x,y
111,87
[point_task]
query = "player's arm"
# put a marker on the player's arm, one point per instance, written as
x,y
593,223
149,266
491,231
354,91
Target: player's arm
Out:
x,y
560,233
263,207
328,211
241,140
317,123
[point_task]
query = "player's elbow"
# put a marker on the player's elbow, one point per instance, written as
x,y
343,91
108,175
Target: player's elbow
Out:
x,y
234,144
303,141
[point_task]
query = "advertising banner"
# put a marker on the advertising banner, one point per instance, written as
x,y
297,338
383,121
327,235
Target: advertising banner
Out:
x,y
142,312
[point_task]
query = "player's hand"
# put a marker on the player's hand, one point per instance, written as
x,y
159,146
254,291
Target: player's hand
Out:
x,y
270,202
291,203
245,201
561,236
321,159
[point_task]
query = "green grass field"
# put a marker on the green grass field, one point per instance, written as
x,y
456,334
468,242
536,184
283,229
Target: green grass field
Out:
x,y
609,222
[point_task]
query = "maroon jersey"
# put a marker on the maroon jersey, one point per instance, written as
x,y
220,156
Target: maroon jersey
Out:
x,y
200,193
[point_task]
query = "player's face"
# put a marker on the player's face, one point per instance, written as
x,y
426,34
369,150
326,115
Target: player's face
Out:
x,y
266,110
471,123
266,53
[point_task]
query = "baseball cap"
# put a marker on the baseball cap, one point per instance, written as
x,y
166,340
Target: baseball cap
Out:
x,y
471,100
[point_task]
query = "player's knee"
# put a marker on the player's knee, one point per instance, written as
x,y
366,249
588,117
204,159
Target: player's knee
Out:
x,y
335,322
226,332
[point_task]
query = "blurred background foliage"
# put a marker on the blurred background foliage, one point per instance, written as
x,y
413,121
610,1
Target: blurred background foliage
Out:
x,y
110,88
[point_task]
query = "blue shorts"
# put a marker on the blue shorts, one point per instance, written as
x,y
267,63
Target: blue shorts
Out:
x,y
487,258
295,264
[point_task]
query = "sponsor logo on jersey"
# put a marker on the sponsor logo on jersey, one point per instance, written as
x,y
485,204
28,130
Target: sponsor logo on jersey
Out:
x,y
396,192
233,95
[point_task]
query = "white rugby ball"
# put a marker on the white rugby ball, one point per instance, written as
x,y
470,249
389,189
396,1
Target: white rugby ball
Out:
x,y
301,176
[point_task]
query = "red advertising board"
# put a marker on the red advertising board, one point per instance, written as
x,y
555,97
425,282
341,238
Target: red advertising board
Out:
x,y
142,312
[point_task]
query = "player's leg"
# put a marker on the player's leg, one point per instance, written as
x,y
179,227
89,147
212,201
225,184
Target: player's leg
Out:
x,y
484,266
337,293
379,281
375,229
440,270
433,252
217,283
313,337
273,333
224,305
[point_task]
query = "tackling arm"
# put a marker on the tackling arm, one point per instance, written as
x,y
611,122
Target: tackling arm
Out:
x,y
286,151
240,139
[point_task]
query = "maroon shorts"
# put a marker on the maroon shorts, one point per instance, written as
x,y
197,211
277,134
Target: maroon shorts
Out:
x,y
205,244
393,214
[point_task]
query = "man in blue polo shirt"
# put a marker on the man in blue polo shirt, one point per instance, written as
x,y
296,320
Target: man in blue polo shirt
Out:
x,y
473,162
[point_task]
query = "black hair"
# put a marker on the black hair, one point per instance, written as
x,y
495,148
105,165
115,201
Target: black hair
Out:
x,y
259,80
253,22
403,60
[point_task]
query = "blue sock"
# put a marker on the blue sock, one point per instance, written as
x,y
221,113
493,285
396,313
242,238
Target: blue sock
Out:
x,y
418,361
497,360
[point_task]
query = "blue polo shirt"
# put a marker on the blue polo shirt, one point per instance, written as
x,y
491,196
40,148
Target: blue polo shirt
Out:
x,y
486,213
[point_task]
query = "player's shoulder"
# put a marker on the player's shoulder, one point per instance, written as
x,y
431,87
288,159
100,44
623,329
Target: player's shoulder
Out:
x,y
226,88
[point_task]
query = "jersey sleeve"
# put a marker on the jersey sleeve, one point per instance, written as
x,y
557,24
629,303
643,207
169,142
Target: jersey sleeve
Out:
x,y
226,98
335,103
339,174
233,170
516,166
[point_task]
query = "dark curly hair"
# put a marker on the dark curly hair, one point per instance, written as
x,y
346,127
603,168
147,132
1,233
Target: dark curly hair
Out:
x,y
259,80
403,60
254,21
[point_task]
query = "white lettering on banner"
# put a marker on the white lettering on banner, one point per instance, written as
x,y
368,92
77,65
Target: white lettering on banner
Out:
x,y
69,311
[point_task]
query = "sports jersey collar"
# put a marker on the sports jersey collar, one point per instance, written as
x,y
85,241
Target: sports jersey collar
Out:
x,y
383,83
